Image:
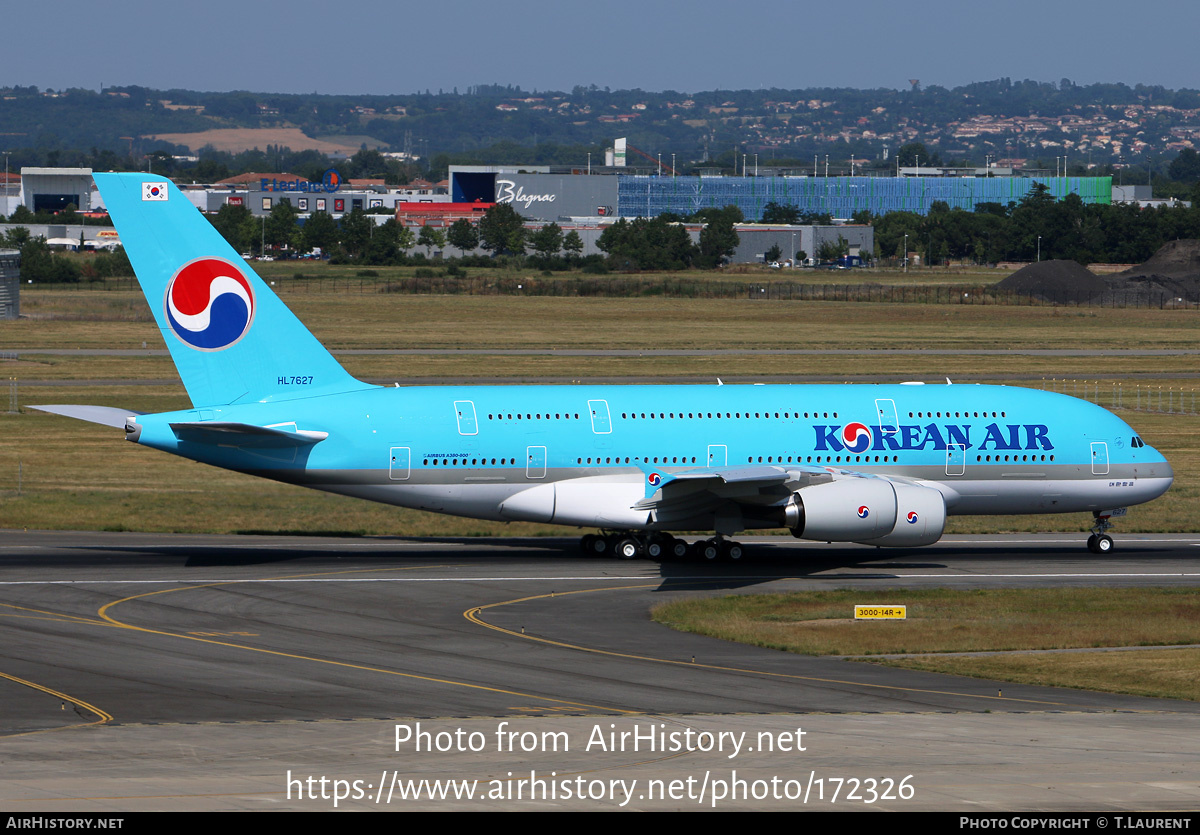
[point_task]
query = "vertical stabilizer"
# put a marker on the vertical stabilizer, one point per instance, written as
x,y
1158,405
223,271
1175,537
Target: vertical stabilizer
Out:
x,y
232,339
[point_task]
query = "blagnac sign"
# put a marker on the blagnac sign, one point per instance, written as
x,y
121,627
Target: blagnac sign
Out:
x,y
508,192
330,182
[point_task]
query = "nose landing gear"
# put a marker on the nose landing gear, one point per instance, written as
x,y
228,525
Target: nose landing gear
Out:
x,y
1100,542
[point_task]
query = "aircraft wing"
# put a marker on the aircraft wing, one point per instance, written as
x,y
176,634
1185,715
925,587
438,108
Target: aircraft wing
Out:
x,y
761,484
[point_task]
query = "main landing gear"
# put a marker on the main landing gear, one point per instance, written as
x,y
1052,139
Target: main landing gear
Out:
x,y
629,545
1100,542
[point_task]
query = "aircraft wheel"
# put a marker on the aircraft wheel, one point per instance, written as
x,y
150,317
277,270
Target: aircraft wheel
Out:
x,y
628,548
678,549
708,550
655,548
733,551
1100,543
594,546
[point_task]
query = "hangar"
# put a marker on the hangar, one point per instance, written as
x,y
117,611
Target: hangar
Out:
x,y
53,189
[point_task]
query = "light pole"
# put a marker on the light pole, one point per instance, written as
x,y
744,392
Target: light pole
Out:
x,y
905,252
672,166
660,165
1039,249
589,163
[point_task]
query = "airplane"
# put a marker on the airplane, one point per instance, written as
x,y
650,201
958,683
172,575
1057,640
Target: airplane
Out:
x,y
882,465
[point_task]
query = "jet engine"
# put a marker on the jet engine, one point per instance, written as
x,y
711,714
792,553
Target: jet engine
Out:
x,y
873,511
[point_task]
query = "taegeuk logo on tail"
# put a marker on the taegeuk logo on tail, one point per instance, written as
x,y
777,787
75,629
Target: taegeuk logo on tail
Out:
x,y
209,304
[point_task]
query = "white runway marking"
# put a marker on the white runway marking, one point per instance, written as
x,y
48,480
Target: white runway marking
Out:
x,y
866,574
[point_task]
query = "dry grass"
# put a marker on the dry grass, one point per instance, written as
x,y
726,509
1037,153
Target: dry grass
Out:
x,y
120,319
1167,674
984,620
941,620
236,140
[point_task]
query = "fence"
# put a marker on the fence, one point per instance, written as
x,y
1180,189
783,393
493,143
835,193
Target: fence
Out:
x,y
632,285
1171,400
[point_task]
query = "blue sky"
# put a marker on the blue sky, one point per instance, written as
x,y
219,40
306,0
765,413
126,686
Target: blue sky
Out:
x,y
385,46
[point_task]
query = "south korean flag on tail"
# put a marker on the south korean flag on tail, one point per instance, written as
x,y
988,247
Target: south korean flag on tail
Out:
x,y
154,191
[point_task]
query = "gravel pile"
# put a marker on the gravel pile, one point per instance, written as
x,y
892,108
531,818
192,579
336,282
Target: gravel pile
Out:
x,y
1056,281
1171,276
1173,270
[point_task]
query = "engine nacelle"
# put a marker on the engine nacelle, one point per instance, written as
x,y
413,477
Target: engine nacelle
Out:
x,y
849,510
873,511
920,518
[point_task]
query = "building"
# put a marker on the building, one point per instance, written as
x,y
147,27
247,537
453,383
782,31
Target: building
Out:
x,y
53,189
549,193
10,284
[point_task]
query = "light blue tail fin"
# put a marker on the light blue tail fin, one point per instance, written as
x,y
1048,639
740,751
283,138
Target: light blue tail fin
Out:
x,y
232,339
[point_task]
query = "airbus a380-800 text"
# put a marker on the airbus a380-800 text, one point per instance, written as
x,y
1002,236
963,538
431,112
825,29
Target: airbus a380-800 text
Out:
x,y
876,464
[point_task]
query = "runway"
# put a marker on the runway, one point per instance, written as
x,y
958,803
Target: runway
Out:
x,y
200,670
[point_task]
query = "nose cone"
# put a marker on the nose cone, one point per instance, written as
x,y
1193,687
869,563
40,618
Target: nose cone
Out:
x,y
1154,478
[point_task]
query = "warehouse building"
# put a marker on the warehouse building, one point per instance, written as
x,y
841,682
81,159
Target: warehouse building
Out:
x,y
558,193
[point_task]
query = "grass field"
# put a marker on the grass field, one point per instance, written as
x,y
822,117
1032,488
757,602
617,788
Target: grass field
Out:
x,y
1009,622
76,475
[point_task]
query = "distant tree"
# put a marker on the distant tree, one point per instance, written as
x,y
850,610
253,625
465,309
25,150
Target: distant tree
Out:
x,y
207,171
801,256
502,230
356,232
462,235
320,231
547,241
830,251
775,213
816,218
730,214
1185,167
572,244
40,265
773,254
431,239
915,153
281,229
647,244
16,237
383,242
231,222
115,263
718,238
405,239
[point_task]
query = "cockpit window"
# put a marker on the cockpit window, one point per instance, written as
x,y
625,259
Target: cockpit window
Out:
x,y
1138,442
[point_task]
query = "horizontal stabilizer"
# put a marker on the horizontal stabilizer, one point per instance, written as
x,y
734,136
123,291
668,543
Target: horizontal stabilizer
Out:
x,y
104,415
223,433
